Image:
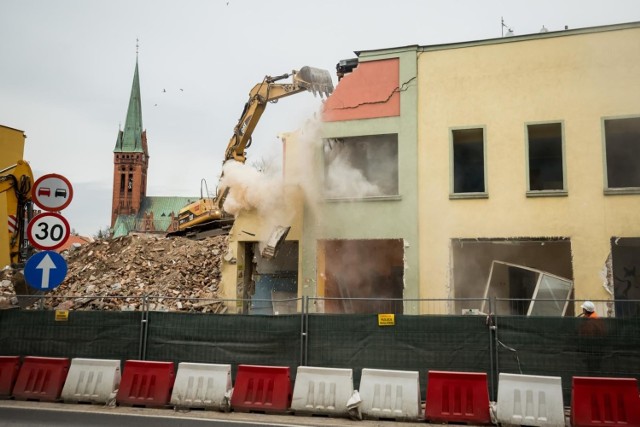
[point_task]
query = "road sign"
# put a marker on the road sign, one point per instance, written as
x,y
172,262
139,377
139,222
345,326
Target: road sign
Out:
x,y
52,192
47,231
45,270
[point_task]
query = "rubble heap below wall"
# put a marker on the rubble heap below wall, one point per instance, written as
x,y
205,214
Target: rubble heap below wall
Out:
x,y
136,265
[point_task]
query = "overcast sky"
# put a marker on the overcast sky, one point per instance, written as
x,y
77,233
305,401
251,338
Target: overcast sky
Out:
x,y
67,68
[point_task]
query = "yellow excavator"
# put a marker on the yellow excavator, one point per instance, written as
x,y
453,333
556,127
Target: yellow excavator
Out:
x,y
15,194
206,216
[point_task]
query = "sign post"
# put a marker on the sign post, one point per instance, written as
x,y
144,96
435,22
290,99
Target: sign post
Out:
x,y
47,269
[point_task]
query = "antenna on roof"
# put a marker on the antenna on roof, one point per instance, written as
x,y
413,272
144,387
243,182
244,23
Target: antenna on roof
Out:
x,y
137,47
503,26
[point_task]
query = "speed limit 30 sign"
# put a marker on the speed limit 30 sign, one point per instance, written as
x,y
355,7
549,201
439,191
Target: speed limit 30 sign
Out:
x,y
48,231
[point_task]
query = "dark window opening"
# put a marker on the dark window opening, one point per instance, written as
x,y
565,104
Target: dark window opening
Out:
x,y
130,184
365,276
122,180
622,140
545,157
506,268
363,166
468,161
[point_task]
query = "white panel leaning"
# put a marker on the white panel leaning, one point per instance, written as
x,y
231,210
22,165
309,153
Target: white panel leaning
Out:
x,y
531,400
390,394
322,391
202,385
91,381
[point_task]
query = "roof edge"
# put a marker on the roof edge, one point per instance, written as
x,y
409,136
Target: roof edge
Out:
x,y
511,39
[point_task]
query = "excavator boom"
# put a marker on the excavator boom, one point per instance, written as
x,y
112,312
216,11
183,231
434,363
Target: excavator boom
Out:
x,y
206,215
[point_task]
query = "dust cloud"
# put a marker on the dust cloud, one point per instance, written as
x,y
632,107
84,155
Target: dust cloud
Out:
x,y
342,178
319,168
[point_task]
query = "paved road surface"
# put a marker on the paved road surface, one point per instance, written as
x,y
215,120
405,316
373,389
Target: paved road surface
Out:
x,y
37,414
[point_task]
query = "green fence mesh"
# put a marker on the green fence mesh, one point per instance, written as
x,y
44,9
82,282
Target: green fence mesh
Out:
x,y
226,339
551,346
568,346
414,343
88,334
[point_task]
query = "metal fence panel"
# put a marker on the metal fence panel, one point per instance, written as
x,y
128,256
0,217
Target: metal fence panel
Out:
x,y
416,343
224,339
568,346
86,334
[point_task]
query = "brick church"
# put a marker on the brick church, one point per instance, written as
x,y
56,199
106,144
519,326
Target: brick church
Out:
x,y
132,210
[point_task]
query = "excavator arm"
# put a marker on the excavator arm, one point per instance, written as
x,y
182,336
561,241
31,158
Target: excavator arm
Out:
x,y
207,214
307,79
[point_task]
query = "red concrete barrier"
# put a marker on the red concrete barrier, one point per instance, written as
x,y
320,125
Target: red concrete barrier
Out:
x,y
41,378
146,383
604,401
457,397
262,389
9,367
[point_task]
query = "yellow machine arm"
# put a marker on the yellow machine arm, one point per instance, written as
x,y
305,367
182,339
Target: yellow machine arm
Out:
x,y
207,214
307,79
15,189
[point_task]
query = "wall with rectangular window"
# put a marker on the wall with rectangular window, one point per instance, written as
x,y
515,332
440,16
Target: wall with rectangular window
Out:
x,y
545,159
622,153
468,162
361,166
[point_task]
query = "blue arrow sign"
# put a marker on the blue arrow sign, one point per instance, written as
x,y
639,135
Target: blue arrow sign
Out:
x,y
45,270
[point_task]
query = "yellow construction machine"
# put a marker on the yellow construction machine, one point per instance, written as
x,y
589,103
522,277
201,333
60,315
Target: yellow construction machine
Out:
x,y
15,194
206,216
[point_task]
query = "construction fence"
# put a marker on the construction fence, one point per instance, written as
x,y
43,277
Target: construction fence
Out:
x,y
533,345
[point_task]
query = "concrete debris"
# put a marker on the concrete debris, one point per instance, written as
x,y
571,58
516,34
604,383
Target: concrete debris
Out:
x,y
177,274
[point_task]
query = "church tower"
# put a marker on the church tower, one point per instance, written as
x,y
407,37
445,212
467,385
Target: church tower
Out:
x,y
130,159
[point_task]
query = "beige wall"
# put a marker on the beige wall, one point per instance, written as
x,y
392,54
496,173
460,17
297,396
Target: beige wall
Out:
x,y
11,146
578,79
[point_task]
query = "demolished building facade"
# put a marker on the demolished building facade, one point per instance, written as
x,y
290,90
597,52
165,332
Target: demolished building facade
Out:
x,y
434,163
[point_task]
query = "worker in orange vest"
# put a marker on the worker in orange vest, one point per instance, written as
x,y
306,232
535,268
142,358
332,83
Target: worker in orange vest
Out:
x,y
589,310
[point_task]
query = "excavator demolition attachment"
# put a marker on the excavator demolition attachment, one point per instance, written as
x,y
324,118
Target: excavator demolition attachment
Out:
x,y
314,80
206,216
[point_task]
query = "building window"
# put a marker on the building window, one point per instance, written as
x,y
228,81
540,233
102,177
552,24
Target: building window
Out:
x,y
122,180
130,184
545,157
361,167
622,151
468,161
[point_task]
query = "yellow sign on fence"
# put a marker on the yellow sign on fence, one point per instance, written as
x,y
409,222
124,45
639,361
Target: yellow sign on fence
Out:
x,y
62,315
386,319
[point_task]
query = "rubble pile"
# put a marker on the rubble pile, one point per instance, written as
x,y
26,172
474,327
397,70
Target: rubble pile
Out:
x,y
174,273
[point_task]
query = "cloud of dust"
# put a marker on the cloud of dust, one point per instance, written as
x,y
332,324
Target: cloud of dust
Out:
x,y
251,189
342,179
340,174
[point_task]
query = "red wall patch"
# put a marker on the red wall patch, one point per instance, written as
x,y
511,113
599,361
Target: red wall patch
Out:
x,y
370,91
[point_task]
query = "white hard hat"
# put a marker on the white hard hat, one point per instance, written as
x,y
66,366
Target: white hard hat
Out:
x,y
589,306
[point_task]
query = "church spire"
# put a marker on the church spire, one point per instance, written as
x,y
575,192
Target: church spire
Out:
x,y
132,138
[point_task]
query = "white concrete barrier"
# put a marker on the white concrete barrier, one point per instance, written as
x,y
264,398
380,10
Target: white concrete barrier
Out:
x,y
531,400
202,385
91,381
390,394
322,391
